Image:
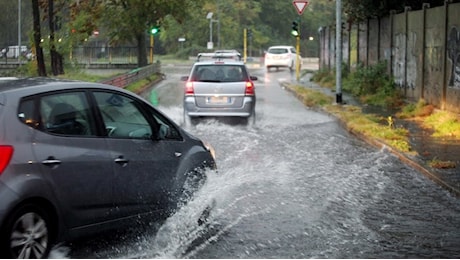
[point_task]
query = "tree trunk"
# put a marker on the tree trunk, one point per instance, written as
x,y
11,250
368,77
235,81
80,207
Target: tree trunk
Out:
x,y
141,50
41,69
56,57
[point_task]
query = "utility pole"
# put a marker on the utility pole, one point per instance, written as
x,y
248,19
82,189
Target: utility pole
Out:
x,y
245,44
338,52
300,6
19,32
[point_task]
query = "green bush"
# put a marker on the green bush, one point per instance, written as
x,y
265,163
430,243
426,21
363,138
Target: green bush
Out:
x,y
373,85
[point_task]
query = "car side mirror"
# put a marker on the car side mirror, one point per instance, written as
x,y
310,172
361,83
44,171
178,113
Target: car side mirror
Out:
x,y
253,77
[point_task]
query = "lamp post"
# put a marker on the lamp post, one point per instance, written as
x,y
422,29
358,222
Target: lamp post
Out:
x,y
209,16
338,52
19,31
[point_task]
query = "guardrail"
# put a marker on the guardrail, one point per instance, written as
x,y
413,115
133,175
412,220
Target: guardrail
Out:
x,y
134,75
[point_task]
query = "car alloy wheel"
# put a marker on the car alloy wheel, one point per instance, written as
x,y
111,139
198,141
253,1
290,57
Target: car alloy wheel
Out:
x,y
28,234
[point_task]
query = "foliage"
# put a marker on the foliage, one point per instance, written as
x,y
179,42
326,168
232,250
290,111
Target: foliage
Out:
x,y
356,121
360,10
312,98
439,164
327,77
445,124
126,22
373,85
137,86
368,125
419,109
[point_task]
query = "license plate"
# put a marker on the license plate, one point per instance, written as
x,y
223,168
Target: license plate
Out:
x,y
218,100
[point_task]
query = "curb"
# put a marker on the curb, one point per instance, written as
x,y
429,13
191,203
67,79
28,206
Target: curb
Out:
x,y
404,158
382,145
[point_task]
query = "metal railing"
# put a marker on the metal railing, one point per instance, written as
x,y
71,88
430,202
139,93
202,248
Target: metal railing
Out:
x,y
87,55
133,75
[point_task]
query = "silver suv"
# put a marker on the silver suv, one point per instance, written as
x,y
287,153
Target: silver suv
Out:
x,y
219,89
77,158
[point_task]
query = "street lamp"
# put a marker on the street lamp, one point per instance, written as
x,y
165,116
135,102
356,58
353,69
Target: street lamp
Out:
x,y
209,16
19,31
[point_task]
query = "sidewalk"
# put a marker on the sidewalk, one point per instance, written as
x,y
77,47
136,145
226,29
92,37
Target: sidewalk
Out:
x,y
426,147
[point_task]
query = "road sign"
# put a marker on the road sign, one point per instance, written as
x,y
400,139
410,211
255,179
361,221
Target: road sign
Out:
x,y
300,5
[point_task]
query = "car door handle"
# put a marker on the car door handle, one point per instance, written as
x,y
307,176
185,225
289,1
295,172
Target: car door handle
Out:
x,y
121,161
51,161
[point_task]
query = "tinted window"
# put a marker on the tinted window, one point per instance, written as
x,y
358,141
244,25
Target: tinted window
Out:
x,y
219,73
122,117
278,51
166,129
26,113
66,114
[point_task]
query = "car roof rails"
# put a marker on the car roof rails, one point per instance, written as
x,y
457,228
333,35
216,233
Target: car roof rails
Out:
x,y
219,56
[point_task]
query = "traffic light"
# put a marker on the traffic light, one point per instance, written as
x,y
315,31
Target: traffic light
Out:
x,y
154,30
295,29
249,33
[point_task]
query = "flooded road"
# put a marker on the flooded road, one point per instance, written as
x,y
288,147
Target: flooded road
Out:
x,y
295,185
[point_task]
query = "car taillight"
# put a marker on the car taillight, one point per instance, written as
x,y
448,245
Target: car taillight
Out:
x,y
189,88
6,152
249,88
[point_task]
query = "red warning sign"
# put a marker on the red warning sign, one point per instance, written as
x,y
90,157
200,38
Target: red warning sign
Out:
x,y
300,5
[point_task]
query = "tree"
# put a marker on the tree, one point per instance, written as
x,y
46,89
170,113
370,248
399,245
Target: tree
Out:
x,y
41,69
129,20
359,10
56,58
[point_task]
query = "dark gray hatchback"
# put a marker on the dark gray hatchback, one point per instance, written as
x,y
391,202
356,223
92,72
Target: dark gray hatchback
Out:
x,y
77,158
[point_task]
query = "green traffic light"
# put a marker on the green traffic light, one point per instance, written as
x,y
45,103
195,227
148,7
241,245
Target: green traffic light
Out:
x,y
154,30
295,29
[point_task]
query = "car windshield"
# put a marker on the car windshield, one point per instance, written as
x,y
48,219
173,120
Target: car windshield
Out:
x,y
278,51
219,73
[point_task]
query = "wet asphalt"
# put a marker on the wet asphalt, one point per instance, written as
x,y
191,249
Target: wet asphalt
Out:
x,y
424,147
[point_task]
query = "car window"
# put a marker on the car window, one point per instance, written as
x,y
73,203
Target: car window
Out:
x,y
26,113
122,117
66,113
278,51
167,130
219,73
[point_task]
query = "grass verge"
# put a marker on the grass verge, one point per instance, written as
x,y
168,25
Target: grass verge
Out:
x,y
356,121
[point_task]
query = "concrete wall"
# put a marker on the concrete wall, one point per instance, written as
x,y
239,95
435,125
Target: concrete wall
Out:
x,y
452,71
422,50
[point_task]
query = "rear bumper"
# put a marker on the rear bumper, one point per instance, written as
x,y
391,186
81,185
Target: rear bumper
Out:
x,y
278,63
191,109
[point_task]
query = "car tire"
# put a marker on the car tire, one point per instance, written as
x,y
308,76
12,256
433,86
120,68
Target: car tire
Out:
x,y
251,120
187,119
26,234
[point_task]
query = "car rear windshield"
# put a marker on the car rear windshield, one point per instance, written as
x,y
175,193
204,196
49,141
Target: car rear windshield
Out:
x,y
219,73
278,51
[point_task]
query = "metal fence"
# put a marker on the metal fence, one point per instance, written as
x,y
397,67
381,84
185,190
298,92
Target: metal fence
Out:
x,y
134,75
105,55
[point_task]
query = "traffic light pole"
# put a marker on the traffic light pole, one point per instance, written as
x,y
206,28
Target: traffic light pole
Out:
x,y
245,44
151,48
297,65
296,33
